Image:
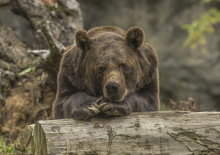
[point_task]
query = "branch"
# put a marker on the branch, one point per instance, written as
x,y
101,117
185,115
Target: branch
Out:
x,y
55,45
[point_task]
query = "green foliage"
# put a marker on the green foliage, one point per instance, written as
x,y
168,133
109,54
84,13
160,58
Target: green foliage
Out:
x,y
208,1
164,107
27,71
200,28
6,149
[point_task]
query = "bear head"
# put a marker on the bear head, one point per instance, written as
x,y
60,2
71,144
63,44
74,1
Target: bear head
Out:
x,y
114,63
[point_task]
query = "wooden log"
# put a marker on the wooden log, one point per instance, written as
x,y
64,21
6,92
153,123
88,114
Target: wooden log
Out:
x,y
171,132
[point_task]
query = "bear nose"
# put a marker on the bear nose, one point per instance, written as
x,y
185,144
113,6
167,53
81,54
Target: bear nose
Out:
x,y
111,88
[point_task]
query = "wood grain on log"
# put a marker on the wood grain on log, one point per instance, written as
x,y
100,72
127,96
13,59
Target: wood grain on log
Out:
x,y
171,132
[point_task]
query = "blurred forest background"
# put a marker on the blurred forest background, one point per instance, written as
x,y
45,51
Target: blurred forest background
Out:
x,y
34,34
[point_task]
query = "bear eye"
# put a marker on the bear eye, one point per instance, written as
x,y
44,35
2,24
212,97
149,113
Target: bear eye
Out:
x,y
100,70
124,67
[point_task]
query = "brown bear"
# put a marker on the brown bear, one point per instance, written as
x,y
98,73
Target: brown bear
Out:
x,y
108,71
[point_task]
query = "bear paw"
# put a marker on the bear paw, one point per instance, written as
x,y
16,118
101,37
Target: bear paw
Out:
x,y
85,113
104,107
115,109
91,111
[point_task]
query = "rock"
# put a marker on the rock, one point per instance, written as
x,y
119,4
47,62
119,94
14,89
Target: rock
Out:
x,y
65,18
4,2
183,72
32,88
18,24
6,80
13,58
44,54
73,13
12,50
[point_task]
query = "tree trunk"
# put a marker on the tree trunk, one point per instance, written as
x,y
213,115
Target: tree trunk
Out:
x,y
171,132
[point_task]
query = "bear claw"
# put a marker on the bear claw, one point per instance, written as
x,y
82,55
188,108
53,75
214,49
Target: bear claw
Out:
x,y
98,100
101,106
96,105
91,111
87,111
115,113
107,107
94,109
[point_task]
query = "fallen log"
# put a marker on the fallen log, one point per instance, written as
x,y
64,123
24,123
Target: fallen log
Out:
x,y
171,132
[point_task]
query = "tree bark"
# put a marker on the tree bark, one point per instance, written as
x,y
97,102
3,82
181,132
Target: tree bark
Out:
x,y
171,132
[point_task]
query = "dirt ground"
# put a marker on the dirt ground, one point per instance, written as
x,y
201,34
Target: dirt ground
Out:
x,y
30,100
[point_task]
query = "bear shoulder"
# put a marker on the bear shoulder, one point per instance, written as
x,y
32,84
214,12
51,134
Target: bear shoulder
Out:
x,y
148,50
70,60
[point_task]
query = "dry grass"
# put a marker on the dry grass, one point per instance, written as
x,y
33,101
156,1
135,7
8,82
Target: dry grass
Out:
x,y
191,104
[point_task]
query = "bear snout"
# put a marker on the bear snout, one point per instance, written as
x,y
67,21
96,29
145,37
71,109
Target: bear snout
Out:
x,y
112,88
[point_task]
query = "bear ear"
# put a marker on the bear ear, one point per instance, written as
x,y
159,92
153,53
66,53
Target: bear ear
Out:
x,y
135,37
82,40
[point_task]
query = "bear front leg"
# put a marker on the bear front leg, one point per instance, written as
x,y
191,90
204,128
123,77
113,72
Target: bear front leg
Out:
x,y
134,102
80,106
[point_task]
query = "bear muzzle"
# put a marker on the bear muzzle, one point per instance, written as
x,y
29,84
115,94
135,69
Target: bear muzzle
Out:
x,y
114,95
115,88
112,88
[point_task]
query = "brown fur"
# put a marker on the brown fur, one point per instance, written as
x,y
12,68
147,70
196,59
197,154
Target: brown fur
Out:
x,y
102,56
